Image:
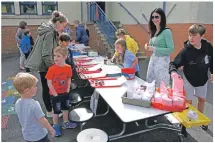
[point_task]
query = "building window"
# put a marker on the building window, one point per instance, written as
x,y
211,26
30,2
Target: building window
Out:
x,y
28,8
49,7
7,8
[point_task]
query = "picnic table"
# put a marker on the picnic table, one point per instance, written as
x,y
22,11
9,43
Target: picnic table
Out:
x,y
130,113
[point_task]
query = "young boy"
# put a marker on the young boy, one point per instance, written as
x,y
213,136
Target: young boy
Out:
x,y
26,45
64,40
59,80
19,35
197,58
31,117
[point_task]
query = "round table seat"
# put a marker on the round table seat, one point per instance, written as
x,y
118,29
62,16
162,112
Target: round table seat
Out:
x,y
80,115
74,97
92,135
73,86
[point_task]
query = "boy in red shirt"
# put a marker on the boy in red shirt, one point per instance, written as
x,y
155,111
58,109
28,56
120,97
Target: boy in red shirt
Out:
x,y
59,80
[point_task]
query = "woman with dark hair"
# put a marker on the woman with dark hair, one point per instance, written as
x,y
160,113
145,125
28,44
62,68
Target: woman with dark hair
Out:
x,y
161,45
41,57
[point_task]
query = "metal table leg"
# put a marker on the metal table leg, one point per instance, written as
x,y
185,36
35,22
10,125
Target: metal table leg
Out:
x,y
82,125
119,134
148,128
99,115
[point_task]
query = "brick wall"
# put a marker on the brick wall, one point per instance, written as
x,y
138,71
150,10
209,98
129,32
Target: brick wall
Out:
x,y
179,32
9,42
8,38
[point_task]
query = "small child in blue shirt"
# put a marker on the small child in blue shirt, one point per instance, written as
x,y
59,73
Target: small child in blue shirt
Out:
x,y
26,45
129,59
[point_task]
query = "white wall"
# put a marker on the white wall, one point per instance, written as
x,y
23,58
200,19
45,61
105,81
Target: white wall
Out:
x,y
71,9
184,12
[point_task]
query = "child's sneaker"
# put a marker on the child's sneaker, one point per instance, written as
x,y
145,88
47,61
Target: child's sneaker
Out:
x,y
69,125
57,130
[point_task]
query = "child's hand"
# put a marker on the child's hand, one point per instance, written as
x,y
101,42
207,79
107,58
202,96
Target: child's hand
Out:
x,y
174,74
211,79
53,133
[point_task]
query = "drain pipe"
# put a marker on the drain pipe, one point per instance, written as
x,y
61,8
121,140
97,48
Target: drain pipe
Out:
x,y
81,11
164,7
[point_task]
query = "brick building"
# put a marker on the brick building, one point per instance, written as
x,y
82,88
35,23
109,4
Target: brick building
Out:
x,y
180,15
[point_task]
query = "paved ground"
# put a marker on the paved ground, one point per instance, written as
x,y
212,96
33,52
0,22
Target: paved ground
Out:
x,y
109,123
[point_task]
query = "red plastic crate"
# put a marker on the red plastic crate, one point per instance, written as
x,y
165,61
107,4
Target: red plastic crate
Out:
x,y
169,108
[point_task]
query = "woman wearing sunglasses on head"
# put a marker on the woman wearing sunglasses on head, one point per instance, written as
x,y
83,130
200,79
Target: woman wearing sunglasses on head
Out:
x,y
161,46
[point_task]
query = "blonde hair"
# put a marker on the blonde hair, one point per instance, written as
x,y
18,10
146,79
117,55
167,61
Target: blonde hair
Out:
x,y
61,50
197,28
120,32
23,81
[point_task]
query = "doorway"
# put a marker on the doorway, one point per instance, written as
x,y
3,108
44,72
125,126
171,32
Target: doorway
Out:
x,y
101,5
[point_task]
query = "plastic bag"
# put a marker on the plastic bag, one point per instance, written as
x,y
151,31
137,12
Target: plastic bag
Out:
x,y
177,85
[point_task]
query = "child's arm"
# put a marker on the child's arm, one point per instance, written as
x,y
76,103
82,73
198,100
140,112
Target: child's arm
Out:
x,y
134,63
18,35
69,84
133,58
44,122
51,87
211,58
69,78
210,51
49,77
179,61
41,117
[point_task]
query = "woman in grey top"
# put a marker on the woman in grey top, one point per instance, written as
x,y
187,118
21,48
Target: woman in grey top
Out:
x,y
19,35
41,57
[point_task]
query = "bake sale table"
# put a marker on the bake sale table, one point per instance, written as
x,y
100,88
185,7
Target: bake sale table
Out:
x,y
130,113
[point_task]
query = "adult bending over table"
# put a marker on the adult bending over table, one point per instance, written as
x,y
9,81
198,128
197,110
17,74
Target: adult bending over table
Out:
x,y
161,45
130,42
41,57
81,34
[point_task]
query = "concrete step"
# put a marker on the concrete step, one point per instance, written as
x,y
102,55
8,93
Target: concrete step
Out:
x,y
116,22
140,54
142,57
103,39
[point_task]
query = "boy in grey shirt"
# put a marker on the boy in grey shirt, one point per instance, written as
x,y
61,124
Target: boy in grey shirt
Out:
x,y
31,117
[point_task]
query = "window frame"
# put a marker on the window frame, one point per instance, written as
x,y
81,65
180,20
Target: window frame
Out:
x,y
49,3
25,2
9,13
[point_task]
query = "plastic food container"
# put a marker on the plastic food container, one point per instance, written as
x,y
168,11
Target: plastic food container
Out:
x,y
129,73
175,105
74,53
183,118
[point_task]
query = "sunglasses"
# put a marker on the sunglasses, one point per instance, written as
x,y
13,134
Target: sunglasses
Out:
x,y
155,17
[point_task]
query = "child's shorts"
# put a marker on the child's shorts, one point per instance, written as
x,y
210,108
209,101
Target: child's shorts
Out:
x,y
60,102
192,92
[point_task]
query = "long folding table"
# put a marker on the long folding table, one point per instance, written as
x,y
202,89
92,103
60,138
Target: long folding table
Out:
x,y
130,113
